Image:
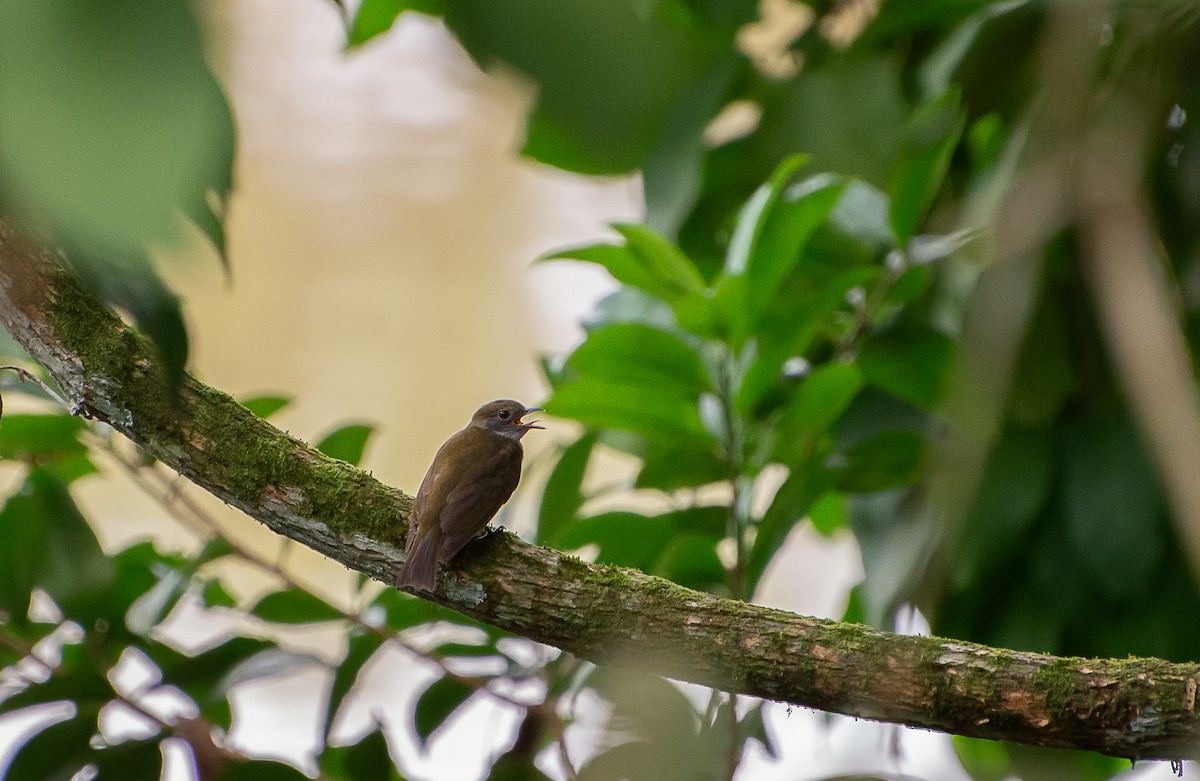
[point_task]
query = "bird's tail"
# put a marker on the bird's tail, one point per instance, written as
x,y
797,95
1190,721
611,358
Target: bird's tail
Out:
x,y
420,567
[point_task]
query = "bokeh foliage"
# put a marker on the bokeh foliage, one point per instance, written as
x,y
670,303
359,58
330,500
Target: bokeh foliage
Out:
x,y
788,325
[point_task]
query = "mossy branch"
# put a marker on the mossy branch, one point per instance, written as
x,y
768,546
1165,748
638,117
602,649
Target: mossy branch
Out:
x,y
1135,708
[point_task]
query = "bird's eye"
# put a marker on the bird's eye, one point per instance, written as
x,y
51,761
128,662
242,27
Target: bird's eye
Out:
x,y
503,414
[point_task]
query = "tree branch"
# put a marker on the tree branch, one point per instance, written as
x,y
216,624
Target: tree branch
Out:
x,y
1135,708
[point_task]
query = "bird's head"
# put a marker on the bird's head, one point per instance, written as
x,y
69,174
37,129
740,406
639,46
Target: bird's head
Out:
x,y
503,417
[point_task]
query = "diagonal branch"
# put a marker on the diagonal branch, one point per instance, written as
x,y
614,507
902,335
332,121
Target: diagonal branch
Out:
x,y
1135,708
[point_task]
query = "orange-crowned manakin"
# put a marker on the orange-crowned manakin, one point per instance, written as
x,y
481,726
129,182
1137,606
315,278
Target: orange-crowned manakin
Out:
x,y
473,473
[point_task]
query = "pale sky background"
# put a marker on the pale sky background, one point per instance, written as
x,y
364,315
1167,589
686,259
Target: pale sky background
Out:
x,y
382,233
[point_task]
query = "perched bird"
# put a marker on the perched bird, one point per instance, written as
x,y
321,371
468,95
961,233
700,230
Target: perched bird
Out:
x,y
473,473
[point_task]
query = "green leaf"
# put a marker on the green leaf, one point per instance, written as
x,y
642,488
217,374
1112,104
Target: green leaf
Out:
x,y
625,539
26,436
467,650
133,760
563,496
376,17
201,676
984,760
668,466
1112,503
265,406
691,560
615,405
442,698
347,443
930,139
647,262
641,57
295,606
403,611
793,331
819,401
262,770
57,752
369,759
635,354
911,365
829,513
52,546
768,241
754,728
1013,491
789,506
889,459
752,216
81,89
215,595
131,282
361,649
853,137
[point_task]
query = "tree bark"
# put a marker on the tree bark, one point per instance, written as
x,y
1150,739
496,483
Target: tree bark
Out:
x,y
1134,708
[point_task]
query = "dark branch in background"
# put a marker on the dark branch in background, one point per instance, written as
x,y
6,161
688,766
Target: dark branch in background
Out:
x,y
1135,708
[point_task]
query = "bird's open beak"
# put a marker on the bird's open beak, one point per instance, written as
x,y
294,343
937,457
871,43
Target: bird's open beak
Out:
x,y
532,423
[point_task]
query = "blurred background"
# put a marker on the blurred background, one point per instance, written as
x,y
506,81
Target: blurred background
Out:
x,y
964,401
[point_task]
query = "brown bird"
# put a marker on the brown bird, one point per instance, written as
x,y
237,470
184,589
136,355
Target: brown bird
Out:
x,y
471,476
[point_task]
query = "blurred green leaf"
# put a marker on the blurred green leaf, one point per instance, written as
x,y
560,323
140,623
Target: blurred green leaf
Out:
x,y
625,539
673,171
434,706
668,466
366,759
930,139
863,213
789,506
403,611
58,751
130,282
752,216
819,401
753,727
74,680
647,261
201,676
635,354
361,648
52,546
691,560
133,760
829,513
769,237
375,17
911,365
794,328
591,56
563,496
262,770
81,87
1014,489
889,459
852,137
984,760
347,443
265,406
1112,503
215,595
295,606
25,436
616,405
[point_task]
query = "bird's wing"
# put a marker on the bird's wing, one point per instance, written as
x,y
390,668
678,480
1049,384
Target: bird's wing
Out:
x,y
435,485
486,483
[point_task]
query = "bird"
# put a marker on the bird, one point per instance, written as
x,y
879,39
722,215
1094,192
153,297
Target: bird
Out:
x,y
472,475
